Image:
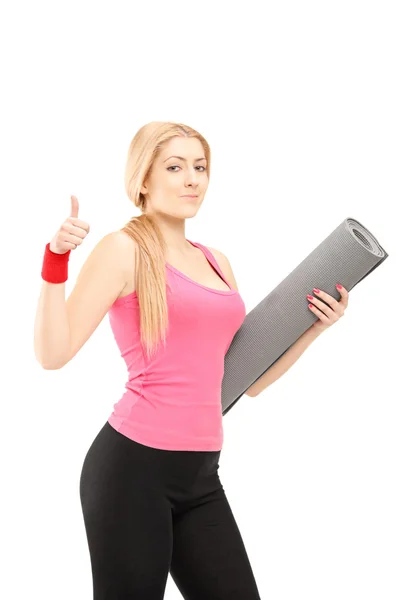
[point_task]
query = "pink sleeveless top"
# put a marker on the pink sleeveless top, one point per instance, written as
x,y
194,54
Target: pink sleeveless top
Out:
x,y
172,401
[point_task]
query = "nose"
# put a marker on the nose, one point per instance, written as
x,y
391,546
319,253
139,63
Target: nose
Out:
x,y
192,174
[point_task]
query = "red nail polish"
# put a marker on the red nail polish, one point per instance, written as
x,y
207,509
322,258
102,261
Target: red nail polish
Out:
x,y
339,287
316,291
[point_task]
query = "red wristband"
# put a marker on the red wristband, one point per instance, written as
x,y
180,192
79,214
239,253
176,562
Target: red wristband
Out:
x,y
55,266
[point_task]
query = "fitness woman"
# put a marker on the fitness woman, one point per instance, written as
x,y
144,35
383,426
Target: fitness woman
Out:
x,y
151,495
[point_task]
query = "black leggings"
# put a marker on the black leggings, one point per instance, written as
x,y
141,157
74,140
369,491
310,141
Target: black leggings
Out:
x,y
148,512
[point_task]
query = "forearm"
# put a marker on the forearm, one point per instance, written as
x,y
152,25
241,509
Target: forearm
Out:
x,y
284,363
51,332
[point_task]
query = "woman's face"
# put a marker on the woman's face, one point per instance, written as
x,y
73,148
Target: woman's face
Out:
x,y
171,178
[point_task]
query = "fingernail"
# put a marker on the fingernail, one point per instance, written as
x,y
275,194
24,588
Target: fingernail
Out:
x,y
316,291
339,287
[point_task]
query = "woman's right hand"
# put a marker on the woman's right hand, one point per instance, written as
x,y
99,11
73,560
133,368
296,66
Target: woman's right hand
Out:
x,y
71,233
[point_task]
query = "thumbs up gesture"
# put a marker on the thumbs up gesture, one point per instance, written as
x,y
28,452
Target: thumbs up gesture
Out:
x,y
71,233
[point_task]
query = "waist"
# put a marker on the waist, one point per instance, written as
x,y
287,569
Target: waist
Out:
x,y
174,423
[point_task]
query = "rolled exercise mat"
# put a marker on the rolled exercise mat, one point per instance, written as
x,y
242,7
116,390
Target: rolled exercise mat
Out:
x,y
346,256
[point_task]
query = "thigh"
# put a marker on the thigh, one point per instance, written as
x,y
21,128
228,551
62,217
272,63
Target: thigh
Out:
x,y
128,523
209,559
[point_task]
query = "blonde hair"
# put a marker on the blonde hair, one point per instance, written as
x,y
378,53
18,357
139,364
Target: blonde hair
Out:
x,y
151,282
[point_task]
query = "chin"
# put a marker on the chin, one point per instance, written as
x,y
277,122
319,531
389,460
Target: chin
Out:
x,y
191,205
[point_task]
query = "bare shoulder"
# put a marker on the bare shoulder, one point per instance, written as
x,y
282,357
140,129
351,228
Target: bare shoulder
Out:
x,y
118,240
225,266
123,239
115,251
125,246
101,279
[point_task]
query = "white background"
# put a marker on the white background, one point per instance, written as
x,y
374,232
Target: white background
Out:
x,y
300,104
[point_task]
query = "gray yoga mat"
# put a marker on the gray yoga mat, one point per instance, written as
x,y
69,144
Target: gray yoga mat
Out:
x,y
347,255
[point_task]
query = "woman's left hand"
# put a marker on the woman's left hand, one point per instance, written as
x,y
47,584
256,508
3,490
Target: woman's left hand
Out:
x,y
327,315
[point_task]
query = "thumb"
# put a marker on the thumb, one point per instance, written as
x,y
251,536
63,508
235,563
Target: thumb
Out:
x,y
74,206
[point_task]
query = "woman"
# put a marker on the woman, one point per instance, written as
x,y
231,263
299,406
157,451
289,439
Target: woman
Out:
x,y
151,495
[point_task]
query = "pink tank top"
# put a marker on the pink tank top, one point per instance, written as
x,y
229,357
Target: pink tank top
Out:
x,y
172,401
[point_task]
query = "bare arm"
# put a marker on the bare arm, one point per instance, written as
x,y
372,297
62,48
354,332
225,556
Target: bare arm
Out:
x,y
287,359
62,327
284,363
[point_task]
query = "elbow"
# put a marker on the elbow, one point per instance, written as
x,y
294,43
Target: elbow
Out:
x,y
51,365
250,393
53,361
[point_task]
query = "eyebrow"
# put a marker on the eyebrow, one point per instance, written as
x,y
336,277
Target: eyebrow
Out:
x,y
181,158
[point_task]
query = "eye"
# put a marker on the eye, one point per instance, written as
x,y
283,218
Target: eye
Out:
x,y
198,167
